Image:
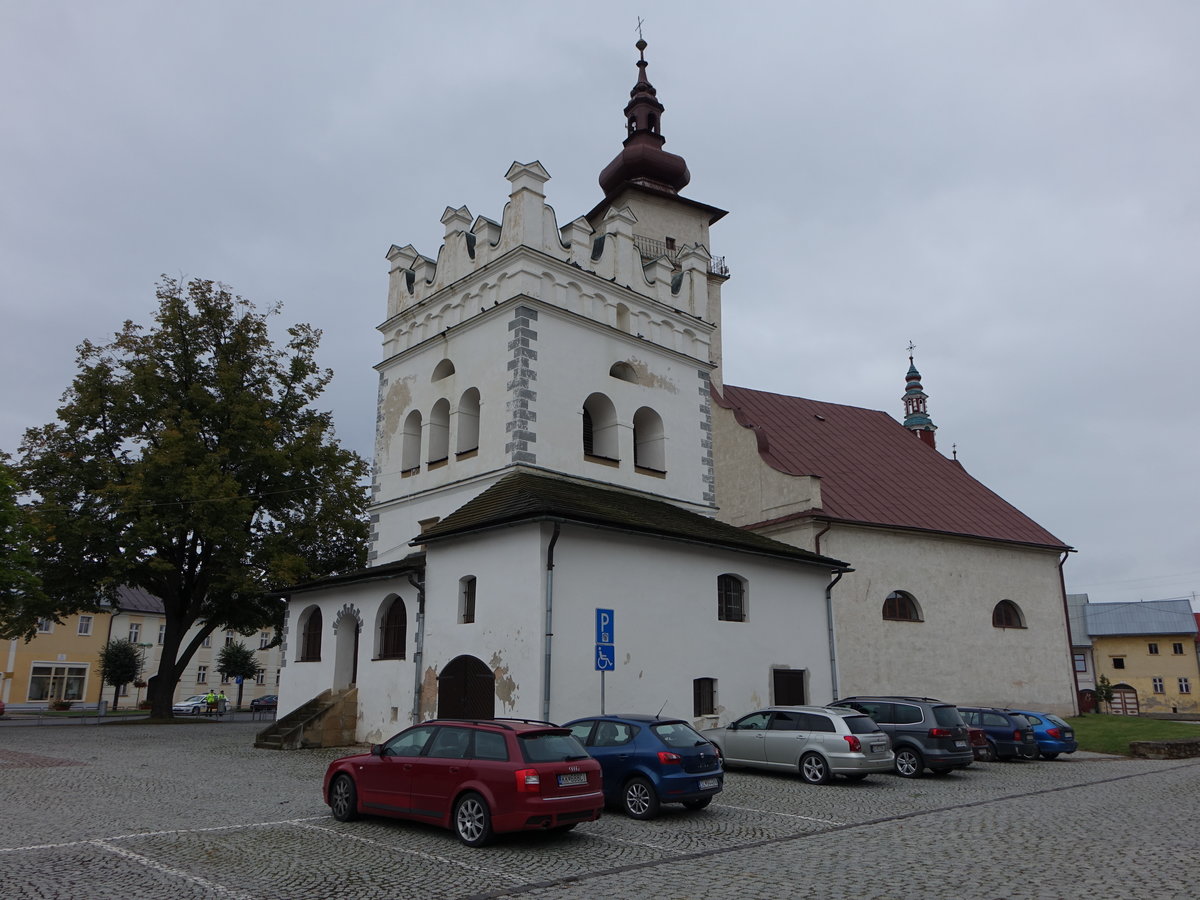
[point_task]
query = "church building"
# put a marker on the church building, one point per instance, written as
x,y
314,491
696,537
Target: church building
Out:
x,y
572,514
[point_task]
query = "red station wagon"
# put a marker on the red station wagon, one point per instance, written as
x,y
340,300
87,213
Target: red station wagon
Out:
x,y
478,777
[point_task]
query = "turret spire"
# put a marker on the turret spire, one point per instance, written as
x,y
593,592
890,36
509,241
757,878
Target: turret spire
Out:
x,y
642,160
916,412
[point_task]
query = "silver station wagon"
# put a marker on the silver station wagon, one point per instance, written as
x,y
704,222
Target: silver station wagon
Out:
x,y
815,741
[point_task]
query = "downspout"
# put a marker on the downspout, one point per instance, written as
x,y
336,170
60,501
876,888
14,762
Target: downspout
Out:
x,y
1062,584
418,646
833,664
549,621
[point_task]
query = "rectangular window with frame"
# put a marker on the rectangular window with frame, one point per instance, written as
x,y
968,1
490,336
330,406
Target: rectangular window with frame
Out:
x,y
229,636
135,632
85,625
1177,649
731,599
201,674
1185,686
162,633
466,600
1080,662
1118,662
264,640
261,677
1158,685
45,625
224,679
207,641
1153,648
56,682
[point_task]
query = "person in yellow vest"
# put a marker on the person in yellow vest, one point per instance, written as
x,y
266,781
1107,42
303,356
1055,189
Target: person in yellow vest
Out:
x,y
210,701
222,702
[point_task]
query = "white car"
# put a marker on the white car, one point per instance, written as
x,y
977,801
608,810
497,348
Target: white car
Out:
x,y
193,705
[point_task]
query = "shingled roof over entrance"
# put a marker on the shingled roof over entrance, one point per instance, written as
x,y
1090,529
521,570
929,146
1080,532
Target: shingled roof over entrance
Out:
x,y
874,471
526,497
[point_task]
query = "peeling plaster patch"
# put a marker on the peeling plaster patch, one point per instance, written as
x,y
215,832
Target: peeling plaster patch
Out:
x,y
506,688
429,694
374,737
756,703
646,378
628,657
393,405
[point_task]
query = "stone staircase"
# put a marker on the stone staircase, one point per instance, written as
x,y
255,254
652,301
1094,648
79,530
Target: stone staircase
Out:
x,y
328,720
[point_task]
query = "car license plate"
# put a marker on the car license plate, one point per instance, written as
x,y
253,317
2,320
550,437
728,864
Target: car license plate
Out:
x,y
573,779
877,748
961,745
1068,735
707,784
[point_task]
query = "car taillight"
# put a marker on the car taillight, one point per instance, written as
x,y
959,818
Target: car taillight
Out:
x,y
528,781
666,757
1017,735
941,733
855,743
1054,733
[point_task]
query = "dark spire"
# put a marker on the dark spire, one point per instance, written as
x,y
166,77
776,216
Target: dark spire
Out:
x,y
643,160
916,411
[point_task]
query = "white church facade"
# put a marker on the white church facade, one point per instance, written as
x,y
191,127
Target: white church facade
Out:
x,y
554,440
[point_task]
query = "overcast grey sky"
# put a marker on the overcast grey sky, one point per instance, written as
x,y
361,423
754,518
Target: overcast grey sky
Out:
x,y
1013,186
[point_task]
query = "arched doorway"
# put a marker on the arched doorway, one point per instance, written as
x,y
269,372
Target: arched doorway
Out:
x,y
466,690
346,629
1087,701
1124,700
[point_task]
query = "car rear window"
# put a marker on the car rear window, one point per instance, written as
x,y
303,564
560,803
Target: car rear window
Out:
x,y
1057,721
861,724
550,746
678,734
947,716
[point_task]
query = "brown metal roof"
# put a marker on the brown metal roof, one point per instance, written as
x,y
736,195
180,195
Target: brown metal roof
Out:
x,y
525,497
874,471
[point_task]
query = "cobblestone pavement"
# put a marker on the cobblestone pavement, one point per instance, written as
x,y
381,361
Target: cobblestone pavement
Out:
x,y
192,810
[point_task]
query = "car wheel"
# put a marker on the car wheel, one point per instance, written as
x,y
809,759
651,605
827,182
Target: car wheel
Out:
x,y
472,821
195,710
702,803
639,799
343,799
814,769
856,776
909,762
1049,756
986,753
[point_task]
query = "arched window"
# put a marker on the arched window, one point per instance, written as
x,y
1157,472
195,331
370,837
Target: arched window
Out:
x,y
439,431
649,441
444,369
731,598
901,606
600,427
624,371
410,452
310,635
468,422
1007,615
466,600
623,318
393,630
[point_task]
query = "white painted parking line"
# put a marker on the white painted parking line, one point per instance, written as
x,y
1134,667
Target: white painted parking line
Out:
x,y
394,849
210,886
146,834
770,812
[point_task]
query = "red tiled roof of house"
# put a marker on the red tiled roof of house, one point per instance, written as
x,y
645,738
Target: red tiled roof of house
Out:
x,y
874,471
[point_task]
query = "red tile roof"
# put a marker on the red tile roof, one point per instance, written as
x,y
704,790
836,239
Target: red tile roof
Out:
x,y
874,471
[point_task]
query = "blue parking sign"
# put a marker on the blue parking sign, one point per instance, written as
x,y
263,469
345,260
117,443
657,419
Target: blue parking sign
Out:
x,y
604,626
606,658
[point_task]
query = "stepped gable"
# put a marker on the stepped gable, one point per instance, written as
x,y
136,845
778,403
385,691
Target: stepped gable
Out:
x,y
872,471
525,497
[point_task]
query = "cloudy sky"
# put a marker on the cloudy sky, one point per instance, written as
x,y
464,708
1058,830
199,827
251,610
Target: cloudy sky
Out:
x,y
1013,186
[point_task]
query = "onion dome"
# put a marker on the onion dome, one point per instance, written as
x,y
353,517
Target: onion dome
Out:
x,y
916,410
642,159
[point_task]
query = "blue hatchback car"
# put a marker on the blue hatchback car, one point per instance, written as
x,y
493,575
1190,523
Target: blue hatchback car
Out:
x,y
1053,735
648,761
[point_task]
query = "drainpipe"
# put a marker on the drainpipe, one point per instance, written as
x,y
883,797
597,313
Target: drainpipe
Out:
x,y
418,646
549,621
1062,583
833,664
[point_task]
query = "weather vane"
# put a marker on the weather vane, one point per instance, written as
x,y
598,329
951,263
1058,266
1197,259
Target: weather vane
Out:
x,y
911,348
641,22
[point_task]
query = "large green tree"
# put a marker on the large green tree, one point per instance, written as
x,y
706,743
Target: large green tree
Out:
x,y
187,460
20,586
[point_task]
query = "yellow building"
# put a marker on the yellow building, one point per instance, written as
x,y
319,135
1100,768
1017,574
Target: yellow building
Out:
x,y
1148,652
61,663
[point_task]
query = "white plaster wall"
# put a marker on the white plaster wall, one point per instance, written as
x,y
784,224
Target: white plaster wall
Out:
x,y
955,654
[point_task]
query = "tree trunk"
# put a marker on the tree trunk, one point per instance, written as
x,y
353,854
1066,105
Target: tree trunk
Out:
x,y
116,695
241,687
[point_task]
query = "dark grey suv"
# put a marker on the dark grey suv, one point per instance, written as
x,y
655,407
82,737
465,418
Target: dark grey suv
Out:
x,y
925,733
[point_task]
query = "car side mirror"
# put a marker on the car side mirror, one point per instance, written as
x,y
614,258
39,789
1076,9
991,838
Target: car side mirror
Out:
x,y
733,726
377,749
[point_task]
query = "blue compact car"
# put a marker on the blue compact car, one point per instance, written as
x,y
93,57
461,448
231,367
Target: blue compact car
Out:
x,y
648,761
1053,735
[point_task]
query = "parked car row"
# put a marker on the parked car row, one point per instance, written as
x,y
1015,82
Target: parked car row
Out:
x,y
487,776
